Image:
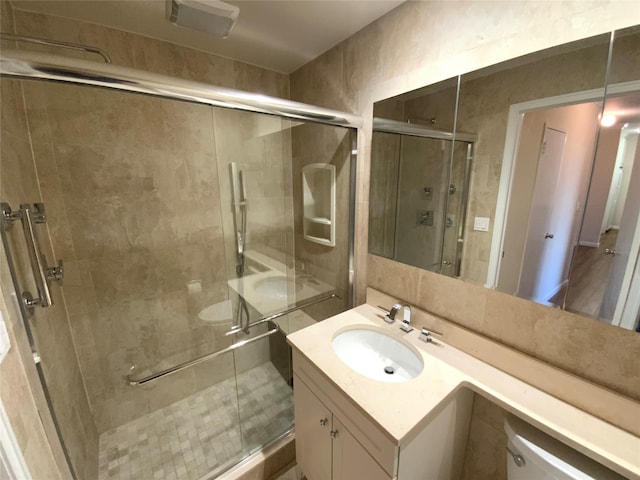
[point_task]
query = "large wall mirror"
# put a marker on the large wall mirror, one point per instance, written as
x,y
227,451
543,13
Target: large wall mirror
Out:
x,y
523,177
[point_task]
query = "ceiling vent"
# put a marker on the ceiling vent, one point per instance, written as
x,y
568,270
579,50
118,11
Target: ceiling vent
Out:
x,y
209,16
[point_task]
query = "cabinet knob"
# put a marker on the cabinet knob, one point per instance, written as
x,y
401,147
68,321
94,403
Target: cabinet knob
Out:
x,y
334,433
323,422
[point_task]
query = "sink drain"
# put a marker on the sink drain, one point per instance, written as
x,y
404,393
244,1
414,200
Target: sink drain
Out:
x,y
389,370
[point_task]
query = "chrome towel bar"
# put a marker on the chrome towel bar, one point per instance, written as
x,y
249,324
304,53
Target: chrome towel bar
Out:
x,y
270,318
154,376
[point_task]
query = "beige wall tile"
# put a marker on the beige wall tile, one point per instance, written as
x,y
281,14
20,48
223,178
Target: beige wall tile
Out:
x,y
486,453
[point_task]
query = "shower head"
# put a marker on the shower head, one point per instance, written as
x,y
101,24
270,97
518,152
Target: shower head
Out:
x,y
209,16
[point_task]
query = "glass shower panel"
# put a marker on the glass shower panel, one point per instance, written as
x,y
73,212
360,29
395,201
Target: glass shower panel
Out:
x,y
423,189
321,267
264,391
142,218
282,269
254,168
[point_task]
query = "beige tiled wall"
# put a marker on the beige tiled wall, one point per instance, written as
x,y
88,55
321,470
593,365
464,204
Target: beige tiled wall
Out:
x,y
486,453
418,44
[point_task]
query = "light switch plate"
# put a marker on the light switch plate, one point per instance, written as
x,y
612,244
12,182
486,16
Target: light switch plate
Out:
x,y
481,224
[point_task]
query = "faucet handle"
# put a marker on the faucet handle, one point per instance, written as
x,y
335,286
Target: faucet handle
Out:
x,y
405,326
393,311
426,335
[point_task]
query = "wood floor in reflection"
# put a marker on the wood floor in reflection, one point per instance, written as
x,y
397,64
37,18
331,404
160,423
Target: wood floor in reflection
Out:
x,y
589,276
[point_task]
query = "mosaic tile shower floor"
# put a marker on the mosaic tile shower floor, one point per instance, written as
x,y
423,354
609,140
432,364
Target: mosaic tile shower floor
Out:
x,y
194,436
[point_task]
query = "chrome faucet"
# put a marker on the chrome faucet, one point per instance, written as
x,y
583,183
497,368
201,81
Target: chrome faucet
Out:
x,y
406,316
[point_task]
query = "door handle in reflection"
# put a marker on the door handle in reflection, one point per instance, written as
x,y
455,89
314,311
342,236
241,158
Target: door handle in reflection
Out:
x,y
548,235
608,251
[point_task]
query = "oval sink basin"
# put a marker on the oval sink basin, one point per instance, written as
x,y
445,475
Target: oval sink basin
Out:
x,y
376,355
277,287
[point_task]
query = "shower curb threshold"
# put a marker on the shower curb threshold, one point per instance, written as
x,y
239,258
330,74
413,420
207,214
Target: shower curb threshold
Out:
x,y
245,469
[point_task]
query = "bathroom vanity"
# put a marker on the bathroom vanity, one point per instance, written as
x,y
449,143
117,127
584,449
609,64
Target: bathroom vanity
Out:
x,y
352,426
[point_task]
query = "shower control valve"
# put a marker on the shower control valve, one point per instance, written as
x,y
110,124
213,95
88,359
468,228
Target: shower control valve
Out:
x,y
323,422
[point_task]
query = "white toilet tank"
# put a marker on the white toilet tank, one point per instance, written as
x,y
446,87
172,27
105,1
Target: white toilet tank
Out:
x,y
541,457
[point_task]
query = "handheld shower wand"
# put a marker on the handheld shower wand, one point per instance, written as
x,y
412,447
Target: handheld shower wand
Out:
x,y
239,204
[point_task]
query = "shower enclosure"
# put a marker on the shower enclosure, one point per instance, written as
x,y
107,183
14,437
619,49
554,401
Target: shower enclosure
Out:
x,y
178,216
419,194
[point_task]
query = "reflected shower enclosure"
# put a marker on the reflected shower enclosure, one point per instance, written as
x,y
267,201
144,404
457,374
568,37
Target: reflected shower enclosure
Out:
x,y
181,229
418,195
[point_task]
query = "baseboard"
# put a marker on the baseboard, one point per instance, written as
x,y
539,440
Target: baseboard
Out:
x,y
589,244
555,291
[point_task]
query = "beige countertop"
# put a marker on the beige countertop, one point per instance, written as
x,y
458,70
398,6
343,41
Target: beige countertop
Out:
x,y
402,409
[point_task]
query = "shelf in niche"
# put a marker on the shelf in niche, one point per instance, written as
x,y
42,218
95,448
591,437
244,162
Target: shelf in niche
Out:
x,y
319,203
321,220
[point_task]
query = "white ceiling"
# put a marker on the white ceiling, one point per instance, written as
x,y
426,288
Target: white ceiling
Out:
x,y
280,35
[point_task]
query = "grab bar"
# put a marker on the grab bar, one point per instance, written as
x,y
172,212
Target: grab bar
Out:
x,y
30,215
41,273
271,318
141,381
56,43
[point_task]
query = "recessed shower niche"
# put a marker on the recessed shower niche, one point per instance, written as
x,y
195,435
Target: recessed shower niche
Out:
x,y
319,197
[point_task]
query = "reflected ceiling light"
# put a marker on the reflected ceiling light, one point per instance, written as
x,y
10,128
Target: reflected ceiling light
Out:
x,y
608,120
209,16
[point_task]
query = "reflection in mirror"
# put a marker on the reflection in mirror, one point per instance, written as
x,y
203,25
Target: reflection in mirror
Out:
x,y
603,281
419,188
536,120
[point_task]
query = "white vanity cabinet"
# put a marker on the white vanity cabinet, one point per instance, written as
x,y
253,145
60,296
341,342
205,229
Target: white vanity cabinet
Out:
x,y
325,449
336,440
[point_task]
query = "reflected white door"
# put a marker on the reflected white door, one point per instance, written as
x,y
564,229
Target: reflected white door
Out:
x,y
541,271
621,274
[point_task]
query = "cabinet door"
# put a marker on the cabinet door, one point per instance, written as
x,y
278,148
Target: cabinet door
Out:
x,y
350,459
313,426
